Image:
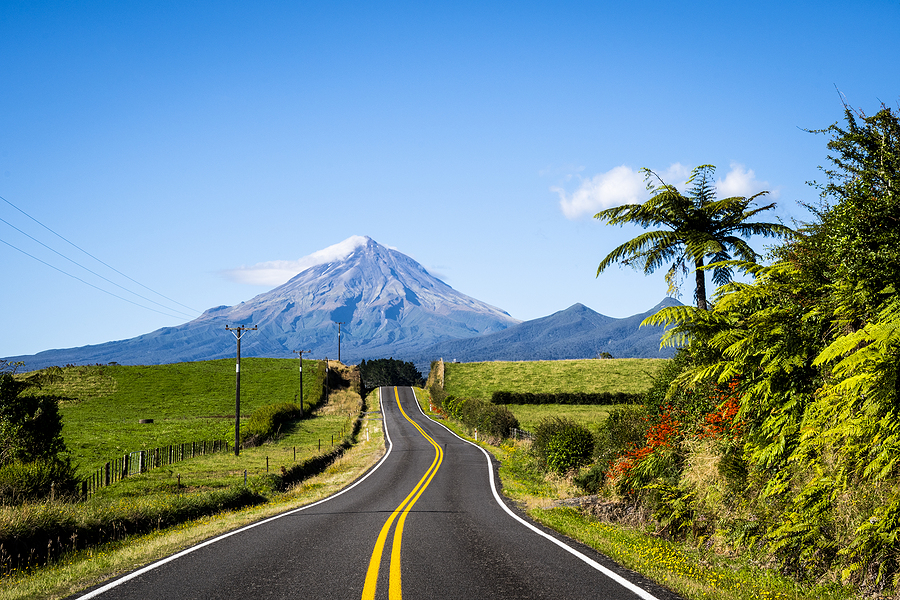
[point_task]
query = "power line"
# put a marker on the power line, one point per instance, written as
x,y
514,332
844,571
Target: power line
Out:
x,y
74,262
86,282
97,259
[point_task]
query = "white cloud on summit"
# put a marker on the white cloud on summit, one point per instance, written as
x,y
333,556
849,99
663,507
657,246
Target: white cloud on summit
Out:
x,y
624,185
275,272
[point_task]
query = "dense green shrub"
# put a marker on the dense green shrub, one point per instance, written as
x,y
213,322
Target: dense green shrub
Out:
x,y
30,425
623,430
580,398
592,480
488,419
563,444
267,421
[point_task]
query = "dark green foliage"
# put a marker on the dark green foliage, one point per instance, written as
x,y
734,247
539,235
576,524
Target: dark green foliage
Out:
x,y
622,430
663,396
562,444
267,421
438,395
861,229
30,426
387,371
32,451
592,480
582,398
488,419
810,351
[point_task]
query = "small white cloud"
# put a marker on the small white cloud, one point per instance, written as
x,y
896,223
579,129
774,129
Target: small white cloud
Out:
x,y
620,185
276,272
740,181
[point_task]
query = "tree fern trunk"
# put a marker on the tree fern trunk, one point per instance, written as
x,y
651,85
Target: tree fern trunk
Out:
x,y
700,293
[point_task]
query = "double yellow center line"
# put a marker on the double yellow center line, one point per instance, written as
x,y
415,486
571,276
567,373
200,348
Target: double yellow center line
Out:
x,y
394,589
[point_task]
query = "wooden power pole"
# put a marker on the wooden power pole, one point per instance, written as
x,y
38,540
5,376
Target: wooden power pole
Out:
x,y
238,332
300,354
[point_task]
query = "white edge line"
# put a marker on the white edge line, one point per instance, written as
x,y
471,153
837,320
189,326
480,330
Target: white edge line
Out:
x,y
161,562
588,560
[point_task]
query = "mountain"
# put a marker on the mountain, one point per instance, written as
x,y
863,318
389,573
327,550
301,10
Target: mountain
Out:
x,y
577,332
389,304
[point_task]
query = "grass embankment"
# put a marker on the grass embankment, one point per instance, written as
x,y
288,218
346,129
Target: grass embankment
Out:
x,y
691,572
202,486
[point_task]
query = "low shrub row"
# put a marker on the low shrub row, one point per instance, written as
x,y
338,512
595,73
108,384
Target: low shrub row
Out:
x,y
584,398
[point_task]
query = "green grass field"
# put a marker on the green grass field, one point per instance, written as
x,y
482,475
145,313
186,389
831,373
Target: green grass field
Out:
x,y
480,380
529,415
187,402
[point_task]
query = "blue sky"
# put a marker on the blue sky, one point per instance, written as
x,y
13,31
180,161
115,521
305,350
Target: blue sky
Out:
x,y
178,142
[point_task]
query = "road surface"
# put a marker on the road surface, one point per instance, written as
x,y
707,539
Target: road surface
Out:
x,y
426,523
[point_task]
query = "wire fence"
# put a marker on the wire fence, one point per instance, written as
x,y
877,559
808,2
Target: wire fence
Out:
x,y
134,463
520,434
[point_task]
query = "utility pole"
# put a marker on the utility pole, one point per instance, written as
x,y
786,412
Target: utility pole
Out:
x,y
238,332
299,354
339,323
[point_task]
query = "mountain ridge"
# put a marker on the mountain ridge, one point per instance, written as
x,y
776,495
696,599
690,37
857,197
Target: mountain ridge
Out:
x,y
388,306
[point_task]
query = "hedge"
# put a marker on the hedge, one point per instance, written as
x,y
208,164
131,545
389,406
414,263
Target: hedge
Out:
x,y
595,398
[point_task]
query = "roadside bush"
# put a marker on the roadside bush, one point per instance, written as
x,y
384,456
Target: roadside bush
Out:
x,y
563,444
622,430
266,422
591,481
490,420
438,396
23,482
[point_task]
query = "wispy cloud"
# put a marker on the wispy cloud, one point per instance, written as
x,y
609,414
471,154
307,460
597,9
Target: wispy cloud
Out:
x,y
624,185
275,272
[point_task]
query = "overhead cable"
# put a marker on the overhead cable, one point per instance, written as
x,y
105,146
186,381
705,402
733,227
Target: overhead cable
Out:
x,y
98,260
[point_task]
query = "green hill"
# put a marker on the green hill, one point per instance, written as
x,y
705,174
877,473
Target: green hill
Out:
x,y
187,402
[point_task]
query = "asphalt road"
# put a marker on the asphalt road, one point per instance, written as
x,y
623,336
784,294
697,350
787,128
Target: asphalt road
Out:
x,y
426,522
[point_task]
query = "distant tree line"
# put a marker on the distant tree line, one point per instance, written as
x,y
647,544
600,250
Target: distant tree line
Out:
x,y
388,371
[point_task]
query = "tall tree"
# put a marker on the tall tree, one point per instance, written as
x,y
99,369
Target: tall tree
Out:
x,y
694,227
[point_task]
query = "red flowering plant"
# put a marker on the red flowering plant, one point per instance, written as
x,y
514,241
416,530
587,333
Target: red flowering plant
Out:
x,y
722,422
707,414
660,455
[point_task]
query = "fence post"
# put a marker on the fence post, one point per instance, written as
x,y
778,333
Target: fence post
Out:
x,y
106,475
124,466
